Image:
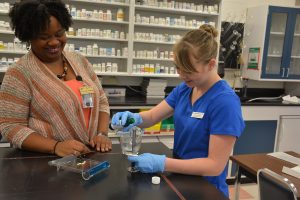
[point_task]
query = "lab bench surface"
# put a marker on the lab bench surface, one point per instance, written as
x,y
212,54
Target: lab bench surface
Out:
x,y
27,175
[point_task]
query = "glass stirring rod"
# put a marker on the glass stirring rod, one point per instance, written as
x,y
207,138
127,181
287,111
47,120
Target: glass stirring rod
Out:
x,y
133,138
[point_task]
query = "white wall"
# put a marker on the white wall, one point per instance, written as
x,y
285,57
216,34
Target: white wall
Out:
x,y
237,8
292,89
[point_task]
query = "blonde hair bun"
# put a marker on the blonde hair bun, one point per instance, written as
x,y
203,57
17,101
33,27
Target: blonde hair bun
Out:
x,y
209,29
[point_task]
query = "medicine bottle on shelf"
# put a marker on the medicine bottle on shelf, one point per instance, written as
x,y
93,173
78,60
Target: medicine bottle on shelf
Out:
x,y
109,15
104,16
95,14
71,31
108,67
120,15
95,50
100,15
89,50
73,12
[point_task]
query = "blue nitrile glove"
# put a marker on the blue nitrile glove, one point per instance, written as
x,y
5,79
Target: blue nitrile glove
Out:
x,y
123,116
149,163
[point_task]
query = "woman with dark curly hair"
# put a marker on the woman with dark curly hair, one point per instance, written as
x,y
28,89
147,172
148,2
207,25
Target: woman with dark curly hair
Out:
x,y
51,101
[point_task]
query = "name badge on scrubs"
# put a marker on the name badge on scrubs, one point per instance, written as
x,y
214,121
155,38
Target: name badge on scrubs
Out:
x,y
198,115
87,96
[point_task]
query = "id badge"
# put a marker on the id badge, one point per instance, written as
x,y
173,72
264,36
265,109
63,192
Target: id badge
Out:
x,y
87,96
198,115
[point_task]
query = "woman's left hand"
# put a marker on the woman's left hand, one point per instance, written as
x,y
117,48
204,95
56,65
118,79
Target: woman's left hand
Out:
x,y
101,143
149,163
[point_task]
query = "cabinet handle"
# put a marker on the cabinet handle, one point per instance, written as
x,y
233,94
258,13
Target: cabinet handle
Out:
x,y
283,72
288,71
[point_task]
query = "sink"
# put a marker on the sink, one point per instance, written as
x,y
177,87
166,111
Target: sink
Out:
x,y
261,99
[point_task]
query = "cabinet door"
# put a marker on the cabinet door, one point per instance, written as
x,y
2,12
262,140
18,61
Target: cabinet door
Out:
x,y
294,67
289,135
276,36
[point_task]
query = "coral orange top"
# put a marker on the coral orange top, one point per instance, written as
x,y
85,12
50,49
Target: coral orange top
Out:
x,y
75,85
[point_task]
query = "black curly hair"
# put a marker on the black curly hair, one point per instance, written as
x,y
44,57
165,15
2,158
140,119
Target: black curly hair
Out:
x,y
31,17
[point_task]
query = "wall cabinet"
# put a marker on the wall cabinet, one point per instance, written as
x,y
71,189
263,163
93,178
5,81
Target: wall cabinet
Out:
x,y
272,44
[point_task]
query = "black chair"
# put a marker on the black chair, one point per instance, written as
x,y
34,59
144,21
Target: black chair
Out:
x,y
273,186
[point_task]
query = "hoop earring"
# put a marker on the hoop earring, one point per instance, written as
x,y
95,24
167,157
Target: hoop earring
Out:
x,y
28,46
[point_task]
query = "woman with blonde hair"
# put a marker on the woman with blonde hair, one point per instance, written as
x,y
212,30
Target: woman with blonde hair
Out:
x,y
207,114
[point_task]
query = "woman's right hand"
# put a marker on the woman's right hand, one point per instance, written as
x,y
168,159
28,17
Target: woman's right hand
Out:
x,y
70,147
120,118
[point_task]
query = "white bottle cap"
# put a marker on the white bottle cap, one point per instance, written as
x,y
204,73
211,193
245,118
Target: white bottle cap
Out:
x,y
155,180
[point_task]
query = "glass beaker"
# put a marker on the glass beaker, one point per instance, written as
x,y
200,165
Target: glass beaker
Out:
x,y
131,143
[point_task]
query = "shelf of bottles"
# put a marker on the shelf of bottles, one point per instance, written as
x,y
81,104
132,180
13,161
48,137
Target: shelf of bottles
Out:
x,y
159,24
101,32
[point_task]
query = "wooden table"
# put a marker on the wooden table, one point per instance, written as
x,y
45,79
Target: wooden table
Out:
x,y
27,175
249,164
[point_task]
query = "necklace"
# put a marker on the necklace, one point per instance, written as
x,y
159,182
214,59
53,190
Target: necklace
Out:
x,y
63,75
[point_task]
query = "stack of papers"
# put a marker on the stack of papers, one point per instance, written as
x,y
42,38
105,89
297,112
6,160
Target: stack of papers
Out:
x,y
295,171
286,157
154,88
288,99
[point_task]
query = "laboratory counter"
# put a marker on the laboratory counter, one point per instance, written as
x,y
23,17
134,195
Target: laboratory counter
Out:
x,y
135,101
27,175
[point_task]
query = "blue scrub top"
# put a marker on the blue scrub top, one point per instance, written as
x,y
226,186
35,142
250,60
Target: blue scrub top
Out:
x,y
221,110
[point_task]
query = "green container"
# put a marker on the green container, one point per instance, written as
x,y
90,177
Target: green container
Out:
x,y
167,124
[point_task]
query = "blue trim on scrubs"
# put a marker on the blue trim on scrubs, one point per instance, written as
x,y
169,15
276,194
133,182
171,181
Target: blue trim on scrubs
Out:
x,y
222,115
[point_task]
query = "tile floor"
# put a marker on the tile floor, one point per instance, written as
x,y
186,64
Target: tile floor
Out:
x,y
247,192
